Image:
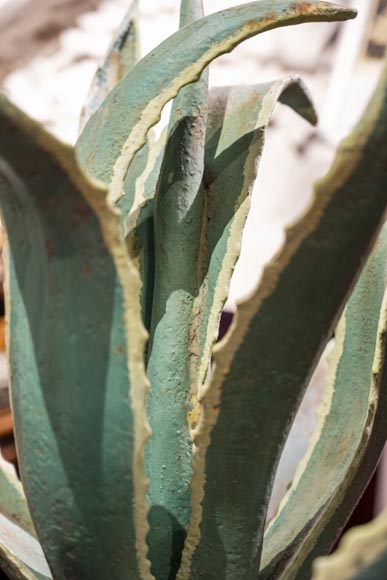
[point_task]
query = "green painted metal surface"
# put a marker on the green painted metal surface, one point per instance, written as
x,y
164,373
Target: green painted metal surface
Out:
x,y
178,214
118,129
209,204
353,409
137,216
235,138
77,377
263,366
368,141
121,56
90,268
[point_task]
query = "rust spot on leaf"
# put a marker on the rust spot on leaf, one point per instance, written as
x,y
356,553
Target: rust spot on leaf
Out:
x,y
269,18
81,215
49,248
87,270
301,7
119,349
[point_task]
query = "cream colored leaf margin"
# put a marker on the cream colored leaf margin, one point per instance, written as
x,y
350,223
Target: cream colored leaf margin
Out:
x,y
361,547
95,193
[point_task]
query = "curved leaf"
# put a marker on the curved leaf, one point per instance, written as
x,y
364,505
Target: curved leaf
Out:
x,y
361,555
118,129
13,504
137,217
262,367
235,139
76,346
20,553
122,55
341,445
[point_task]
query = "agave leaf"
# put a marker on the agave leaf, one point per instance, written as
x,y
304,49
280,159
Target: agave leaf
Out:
x,y
76,347
122,55
21,556
262,367
137,216
235,138
362,553
141,180
354,420
13,504
182,293
20,553
177,220
362,470
118,129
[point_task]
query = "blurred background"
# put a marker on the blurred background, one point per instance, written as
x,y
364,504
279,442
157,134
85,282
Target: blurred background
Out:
x,y
49,50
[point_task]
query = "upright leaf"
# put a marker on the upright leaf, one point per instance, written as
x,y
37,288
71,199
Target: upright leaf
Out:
x,y
354,420
178,211
122,55
235,138
137,216
76,359
262,367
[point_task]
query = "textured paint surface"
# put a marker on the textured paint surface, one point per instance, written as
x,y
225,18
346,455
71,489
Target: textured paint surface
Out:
x,y
340,449
118,129
137,216
20,553
235,140
369,141
178,213
121,57
238,118
141,178
13,504
263,366
78,296
78,381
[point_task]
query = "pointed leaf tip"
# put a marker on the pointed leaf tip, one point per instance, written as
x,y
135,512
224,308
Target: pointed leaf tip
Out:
x,y
296,96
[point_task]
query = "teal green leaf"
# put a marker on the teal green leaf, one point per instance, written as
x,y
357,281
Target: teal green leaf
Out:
x,y
119,127
196,295
76,347
13,504
141,180
20,553
262,367
235,139
122,55
178,211
326,486
137,216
